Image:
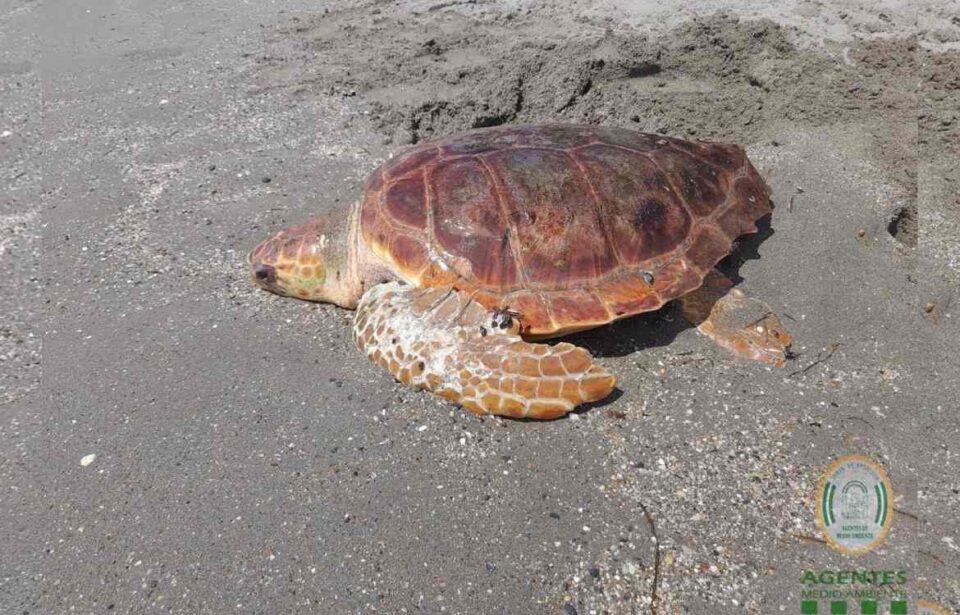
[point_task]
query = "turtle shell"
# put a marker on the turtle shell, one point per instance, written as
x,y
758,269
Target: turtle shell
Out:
x,y
570,226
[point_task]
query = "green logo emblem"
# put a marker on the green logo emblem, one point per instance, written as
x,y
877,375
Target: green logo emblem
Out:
x,y
853,504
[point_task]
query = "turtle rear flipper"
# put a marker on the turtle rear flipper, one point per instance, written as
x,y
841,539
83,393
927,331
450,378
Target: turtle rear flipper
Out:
x,y
440,340
745,326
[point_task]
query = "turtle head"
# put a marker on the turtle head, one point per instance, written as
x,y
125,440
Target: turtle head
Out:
x,y
309,261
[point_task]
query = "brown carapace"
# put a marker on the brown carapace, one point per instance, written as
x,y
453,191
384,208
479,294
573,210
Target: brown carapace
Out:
x,y
571,226
560,227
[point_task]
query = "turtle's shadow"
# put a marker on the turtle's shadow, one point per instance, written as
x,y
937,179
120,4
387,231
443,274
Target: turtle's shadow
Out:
x,y
624,337
655,329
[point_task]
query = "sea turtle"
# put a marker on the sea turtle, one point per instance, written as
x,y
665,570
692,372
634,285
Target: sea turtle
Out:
x,y
463,252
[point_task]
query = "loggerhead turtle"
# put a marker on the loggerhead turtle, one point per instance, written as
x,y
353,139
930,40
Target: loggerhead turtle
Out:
x,y
464,251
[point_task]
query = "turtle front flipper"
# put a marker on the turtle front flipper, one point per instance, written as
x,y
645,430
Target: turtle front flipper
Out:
x,y
745,326
440,340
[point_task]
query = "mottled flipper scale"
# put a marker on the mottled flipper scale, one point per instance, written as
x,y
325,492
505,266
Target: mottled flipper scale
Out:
x,y
745,326
441,340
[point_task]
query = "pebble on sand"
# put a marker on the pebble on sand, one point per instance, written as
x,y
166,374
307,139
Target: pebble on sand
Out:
x,y
88,459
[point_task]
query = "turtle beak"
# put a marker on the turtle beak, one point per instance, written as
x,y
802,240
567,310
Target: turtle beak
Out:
x,y
262,270
265,275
